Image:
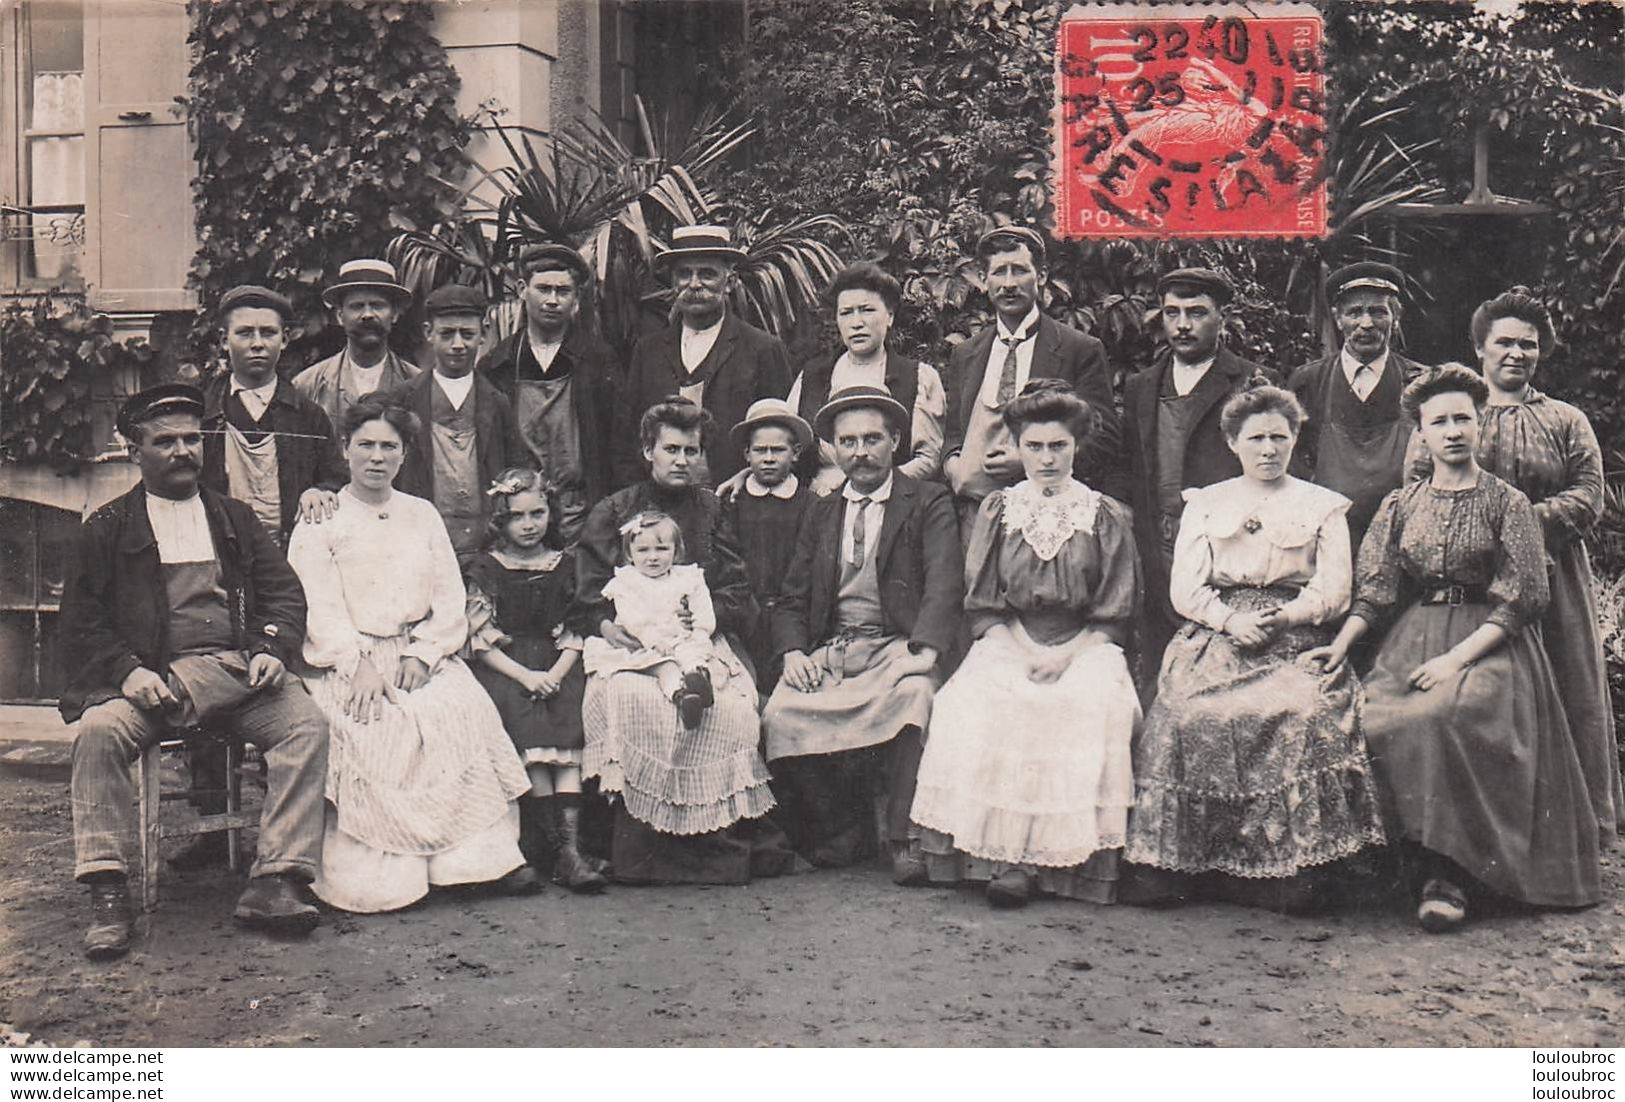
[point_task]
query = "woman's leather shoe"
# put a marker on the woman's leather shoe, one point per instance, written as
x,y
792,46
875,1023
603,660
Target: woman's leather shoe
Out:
x,y
108,936
1443,907
1011,888
521,881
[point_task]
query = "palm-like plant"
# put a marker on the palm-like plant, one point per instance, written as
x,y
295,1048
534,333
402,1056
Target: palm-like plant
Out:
x,y
586,188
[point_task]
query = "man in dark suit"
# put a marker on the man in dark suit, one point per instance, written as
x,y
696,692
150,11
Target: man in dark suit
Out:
x,y
561,380
1172,435
180,609
1354,441
990,368
710,357
873,597
467,433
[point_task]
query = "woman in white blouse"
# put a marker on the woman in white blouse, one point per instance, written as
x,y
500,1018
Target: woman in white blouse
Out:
x,y
1252,766
421,778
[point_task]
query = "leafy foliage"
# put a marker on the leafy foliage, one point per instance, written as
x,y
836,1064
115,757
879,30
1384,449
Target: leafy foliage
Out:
x,y
55,353
617,207
329,121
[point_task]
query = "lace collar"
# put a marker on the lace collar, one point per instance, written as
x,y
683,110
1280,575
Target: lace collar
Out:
x,y
544,564
1047,521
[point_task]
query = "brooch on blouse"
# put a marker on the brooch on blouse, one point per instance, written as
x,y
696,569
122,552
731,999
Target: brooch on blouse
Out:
x,y
1251,525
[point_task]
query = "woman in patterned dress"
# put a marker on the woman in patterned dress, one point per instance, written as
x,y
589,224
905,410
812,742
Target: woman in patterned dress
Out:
x,y
1025,783
1468,735
421,777
1546,448
1252,768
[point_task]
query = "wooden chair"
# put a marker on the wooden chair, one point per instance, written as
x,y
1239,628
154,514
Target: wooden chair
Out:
x,y
151,797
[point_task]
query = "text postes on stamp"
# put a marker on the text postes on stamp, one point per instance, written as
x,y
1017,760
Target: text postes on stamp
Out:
x,y
1190,121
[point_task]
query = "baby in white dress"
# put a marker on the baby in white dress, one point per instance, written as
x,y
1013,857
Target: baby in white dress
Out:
x,y
651,595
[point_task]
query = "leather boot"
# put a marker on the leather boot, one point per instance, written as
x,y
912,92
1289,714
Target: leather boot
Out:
x,y
537,839
571,869
275,904
108,936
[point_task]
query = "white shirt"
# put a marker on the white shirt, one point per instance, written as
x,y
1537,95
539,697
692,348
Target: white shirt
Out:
x,y
1363,378
784,491
181,529
545,353
873,517
697,343
256,399
365,379
1186,376
455,390
995,358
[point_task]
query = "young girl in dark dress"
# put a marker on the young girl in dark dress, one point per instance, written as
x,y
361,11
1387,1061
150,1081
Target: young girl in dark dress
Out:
x,y
519,591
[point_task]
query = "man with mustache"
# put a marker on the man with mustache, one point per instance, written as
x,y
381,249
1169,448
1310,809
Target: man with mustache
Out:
x,y
366,300
561,380
710,356
1172,435
471,435
991,367
871,600
180,609
1354,441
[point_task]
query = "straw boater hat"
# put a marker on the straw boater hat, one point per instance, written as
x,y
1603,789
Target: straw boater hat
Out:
x,y
156,401
864,397
697,241
356,274
1367,275
772,411
1205,280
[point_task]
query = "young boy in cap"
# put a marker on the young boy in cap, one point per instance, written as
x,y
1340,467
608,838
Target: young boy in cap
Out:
x,y
767,512
469,435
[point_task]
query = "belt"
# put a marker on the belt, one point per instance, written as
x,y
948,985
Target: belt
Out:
x,y
1455,595
835,649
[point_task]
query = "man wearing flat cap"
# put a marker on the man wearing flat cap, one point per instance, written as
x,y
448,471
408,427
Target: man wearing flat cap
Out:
x,y
179,609
469,433
367,300
1354,441
766,512
1172,435
991,367
709,356
264,443
561,380
872,598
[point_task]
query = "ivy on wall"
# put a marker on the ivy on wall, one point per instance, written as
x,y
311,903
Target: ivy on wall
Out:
x,y
319,130
55,353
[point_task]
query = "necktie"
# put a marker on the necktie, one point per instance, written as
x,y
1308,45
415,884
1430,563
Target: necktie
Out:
x,y
1007,376
856,562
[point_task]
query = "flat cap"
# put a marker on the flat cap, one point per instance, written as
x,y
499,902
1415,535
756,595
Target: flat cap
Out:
x,y
454,298
533,258
1204,280
1011,237
1366,275
156,401
251,294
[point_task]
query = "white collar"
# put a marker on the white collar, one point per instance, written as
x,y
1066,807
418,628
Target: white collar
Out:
x,y
1028,327
876,497
455,390
1195,368
264,391
708,331
180,529
1352,365
784,491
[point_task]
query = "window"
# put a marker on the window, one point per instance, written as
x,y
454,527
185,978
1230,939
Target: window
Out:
x,y
34,543
42,234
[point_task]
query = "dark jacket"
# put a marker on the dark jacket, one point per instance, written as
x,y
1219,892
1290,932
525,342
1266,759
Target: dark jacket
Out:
x,y
597,375
497,443
920,565
1060,353
307,448
115,615
1306,382
745,364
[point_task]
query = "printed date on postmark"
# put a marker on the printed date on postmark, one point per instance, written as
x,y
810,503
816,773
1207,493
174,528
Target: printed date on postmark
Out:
x,y
1198,120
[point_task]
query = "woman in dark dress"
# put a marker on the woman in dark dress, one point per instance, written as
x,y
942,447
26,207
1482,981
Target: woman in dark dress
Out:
x,y
1469,739
520,590
690,805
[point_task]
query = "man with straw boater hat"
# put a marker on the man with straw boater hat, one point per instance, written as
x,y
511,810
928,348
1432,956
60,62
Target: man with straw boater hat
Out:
x,y
1354,440
871,600
708,355
367,300
560,378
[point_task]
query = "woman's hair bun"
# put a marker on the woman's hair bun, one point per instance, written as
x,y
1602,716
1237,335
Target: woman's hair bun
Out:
x,y
1520,289
1046,386
1257,379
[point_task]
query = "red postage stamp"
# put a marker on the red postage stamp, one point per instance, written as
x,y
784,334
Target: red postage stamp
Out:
x,y
1193,120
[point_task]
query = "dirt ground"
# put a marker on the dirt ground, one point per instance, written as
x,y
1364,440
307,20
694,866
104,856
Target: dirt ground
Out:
x,y
822,958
